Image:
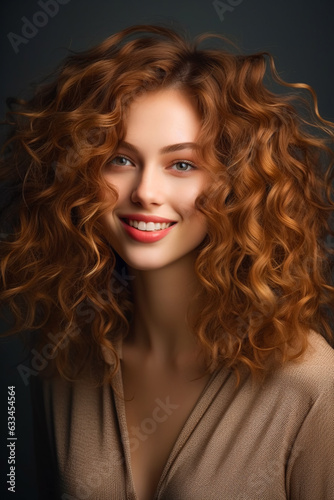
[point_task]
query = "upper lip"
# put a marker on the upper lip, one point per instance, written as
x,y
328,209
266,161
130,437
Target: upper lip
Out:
x,y
144,218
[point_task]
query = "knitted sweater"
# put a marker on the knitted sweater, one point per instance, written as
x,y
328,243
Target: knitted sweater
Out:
x,y
268,441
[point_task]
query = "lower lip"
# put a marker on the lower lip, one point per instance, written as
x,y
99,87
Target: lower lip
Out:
x,y
146,236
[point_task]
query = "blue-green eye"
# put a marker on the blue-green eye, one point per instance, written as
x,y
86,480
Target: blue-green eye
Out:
x,y
183,166
120,161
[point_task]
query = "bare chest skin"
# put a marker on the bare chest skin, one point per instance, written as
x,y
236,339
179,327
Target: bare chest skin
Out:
x,y
158,402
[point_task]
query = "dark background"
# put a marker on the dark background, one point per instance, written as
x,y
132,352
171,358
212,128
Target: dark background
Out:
x,y
299,33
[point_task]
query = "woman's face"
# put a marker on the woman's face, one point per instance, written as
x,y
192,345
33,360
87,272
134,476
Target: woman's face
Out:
x,y
156,173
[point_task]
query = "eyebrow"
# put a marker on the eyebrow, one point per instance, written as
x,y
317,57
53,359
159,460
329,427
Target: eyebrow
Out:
x,y
166,149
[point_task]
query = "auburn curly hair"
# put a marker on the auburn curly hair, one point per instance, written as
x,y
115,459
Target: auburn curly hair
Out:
x,y
264,267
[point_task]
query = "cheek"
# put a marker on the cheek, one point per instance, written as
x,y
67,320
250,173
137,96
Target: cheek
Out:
x,y
114,196
194,220
124,185
187,202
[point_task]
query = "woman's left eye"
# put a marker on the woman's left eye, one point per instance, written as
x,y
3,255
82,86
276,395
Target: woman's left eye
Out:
x,y
183,166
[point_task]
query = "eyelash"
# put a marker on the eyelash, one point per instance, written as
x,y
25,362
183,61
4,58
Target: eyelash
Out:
x,y
186,162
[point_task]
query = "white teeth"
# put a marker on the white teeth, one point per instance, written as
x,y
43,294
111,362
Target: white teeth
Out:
x,y
148,226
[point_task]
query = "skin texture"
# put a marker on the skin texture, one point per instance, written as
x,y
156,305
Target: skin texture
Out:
x,y
160,356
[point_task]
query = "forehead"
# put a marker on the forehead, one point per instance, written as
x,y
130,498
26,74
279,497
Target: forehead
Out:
x,y
169,113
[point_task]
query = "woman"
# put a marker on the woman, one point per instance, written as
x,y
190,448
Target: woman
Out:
x,y
169,250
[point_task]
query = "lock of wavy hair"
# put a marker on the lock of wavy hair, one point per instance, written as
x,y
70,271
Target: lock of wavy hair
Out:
x,y
264,266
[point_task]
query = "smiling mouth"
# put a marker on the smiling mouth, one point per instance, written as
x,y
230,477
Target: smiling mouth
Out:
x,y
148,226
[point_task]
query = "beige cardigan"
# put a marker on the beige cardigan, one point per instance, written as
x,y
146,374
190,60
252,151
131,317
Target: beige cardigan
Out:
x,y
273,441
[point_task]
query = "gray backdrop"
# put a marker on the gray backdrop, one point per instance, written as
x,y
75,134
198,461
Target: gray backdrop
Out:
x,y
35,36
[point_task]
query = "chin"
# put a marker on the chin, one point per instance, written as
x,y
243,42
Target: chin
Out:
x,y
146,264
149,261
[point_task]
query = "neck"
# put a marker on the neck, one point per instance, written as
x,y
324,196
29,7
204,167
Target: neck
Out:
x,y
162,299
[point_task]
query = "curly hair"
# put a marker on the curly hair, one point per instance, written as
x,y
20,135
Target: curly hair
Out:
x,y
264,267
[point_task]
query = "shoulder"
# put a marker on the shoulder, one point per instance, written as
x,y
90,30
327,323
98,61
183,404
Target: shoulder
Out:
x,y
316,365
309,468
312,374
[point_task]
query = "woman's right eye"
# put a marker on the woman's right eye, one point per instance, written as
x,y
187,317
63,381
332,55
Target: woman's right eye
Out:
x,y
121,161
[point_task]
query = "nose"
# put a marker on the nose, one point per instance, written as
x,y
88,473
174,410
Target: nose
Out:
x,y
148,189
